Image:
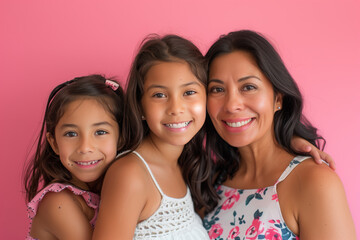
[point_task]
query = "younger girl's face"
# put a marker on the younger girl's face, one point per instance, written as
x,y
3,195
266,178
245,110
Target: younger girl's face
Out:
x,y
86,139
173,103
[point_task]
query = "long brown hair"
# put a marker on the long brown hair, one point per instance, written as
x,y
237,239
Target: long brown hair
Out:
x,y
288,122
170,48
45,166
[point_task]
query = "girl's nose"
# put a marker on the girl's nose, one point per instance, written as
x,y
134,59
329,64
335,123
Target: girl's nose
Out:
x,y
175,106
85,145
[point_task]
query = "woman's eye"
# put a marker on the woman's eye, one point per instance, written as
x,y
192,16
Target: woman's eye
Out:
x,y
70,134
216,90
159,95
249,87
101,132
191,92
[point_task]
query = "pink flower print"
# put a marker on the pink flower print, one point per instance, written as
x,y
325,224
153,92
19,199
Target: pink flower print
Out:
x,y
275,197
215,231
272,234
230,192
234,232
233,197
255,229
260,190
273,221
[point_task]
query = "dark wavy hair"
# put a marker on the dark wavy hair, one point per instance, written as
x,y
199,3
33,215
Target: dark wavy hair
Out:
x,y
45,166
169,48
288,122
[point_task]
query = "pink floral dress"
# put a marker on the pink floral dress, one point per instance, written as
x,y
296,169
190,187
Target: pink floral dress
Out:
x,y
91,199
250,213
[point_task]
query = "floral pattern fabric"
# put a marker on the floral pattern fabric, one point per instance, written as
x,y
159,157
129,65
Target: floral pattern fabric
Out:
x,y
252,214
91,199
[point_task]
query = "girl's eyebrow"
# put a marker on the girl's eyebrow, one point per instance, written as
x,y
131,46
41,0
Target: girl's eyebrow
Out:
x,y
191,83
70,125
183,85
102,123
239,80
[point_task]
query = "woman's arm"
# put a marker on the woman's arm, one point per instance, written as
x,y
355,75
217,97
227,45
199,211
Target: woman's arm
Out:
x,y
302,145
122,201
323,211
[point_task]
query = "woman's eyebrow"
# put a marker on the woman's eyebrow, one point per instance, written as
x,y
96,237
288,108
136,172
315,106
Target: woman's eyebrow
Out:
x,y
239,80
248,77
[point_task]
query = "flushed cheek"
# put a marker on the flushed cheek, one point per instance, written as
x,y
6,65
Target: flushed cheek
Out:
x,y
213,108
199,109
262,106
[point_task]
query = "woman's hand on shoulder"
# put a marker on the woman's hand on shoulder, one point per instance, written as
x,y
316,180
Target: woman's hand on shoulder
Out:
x,y
301,145
323,211
122,199
63,216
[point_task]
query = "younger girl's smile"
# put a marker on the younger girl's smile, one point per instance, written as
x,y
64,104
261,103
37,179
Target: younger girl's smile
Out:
x,y
86,145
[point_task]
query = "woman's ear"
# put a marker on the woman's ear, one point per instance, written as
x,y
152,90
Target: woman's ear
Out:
x,y
278,102
51,140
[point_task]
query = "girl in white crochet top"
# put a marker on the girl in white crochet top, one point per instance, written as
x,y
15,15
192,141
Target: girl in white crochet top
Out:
x,y
146,194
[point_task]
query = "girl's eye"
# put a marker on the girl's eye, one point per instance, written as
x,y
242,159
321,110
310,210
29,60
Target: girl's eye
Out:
x,y
101,132
70,134
159,95
216,90
249,87
190,92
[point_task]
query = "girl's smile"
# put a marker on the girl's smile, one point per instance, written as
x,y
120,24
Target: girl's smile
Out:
x,y
86,139
173,103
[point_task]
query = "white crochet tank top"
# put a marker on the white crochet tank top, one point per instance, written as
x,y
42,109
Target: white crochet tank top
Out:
x,y
175,218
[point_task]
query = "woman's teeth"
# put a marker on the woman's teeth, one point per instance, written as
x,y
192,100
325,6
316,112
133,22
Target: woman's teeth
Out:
x,y
238,124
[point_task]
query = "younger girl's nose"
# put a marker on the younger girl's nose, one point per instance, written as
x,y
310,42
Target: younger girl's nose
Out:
x,y
85,145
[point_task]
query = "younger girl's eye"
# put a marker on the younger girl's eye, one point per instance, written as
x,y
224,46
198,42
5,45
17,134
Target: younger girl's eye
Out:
x,y
159,95
190,92
100,132
70,134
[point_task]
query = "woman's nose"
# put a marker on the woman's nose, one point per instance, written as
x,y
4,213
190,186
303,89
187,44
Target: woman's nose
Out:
x,y
233,101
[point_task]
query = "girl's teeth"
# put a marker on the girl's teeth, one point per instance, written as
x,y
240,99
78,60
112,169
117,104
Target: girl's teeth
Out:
x,y
87,163
177,125
238,124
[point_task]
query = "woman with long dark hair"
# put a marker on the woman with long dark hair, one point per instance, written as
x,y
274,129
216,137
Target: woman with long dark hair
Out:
x,y
267,189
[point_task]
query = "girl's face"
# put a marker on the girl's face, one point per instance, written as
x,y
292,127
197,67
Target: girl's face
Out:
x,y
173,103
241,101
86,139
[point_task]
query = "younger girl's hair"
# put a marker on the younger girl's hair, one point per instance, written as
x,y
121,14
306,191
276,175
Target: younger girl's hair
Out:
x,y
154,50
288,122
45,166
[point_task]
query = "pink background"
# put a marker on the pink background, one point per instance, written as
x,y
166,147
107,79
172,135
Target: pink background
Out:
x,y
46,42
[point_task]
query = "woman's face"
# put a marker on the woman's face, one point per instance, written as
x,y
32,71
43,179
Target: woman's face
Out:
x,y
241,101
